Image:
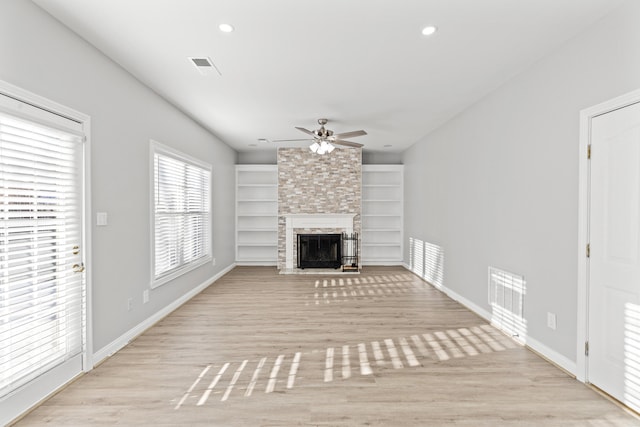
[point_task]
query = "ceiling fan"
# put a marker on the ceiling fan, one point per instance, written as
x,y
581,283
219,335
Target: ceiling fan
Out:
x,y
324,139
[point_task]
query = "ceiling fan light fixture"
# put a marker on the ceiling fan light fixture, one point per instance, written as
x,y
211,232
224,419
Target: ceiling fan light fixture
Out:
x,y
325,147
314,147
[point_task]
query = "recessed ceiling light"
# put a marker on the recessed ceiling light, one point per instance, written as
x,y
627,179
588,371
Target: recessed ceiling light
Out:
x,y
387,146
263,140
225,28
429,30
253,145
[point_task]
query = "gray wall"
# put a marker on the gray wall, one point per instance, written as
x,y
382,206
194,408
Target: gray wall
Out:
x,y
498,185
261,157
270,157
40,55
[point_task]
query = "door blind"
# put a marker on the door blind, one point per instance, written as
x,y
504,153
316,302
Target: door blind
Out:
x,y
41,296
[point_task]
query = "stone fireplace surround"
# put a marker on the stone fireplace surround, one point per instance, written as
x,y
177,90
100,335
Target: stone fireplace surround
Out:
x,y
316,194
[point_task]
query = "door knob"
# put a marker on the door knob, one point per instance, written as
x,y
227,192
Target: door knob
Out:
x,y
78,268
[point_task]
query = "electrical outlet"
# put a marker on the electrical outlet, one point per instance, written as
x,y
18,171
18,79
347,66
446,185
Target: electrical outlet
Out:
x,y
129,303
551,320
145,296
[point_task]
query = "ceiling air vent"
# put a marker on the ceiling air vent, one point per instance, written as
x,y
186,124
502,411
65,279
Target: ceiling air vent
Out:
x,y
204,65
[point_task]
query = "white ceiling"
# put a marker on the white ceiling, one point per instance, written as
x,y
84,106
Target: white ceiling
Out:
x,y
363,64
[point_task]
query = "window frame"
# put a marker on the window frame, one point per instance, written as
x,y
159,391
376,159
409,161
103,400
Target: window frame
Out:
x,y
164,150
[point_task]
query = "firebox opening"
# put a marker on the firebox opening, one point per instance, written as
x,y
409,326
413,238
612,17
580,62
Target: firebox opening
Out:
x,y
319,250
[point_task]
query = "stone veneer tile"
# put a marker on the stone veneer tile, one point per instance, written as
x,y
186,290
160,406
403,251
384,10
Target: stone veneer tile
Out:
x,y
310,183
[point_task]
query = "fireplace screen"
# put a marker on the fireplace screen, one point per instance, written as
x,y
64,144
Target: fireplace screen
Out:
x,y
319,250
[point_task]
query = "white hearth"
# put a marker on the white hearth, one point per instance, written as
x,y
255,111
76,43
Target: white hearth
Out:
x,y
315,221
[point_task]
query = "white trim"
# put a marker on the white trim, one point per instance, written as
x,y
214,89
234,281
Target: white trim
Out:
x,y
155,283
552,355
382,263
158,147
467,303
586,116
257,263
37,107
16,404
124,339
88,251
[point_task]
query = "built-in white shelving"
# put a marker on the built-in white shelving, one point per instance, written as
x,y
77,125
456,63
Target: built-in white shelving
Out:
x,y
382,214
256,214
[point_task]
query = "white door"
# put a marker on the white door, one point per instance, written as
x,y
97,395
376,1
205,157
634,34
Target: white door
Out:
x,y
614,268
42,283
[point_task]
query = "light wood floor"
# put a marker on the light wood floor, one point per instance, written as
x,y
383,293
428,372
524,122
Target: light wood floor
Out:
x,y
382,348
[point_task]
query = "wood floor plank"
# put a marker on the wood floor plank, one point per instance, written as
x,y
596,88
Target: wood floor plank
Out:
x,y
382,348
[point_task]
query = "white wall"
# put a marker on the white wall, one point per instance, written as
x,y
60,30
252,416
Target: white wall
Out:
x,y
40,55
498,185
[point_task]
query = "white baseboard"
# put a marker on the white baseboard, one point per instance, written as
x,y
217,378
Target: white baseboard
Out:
x,y
470,305
366,263
406,266
256,263
552,356
544,351
132,333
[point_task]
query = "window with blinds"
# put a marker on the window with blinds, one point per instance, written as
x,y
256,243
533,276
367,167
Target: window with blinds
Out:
x,y
181,213
41,293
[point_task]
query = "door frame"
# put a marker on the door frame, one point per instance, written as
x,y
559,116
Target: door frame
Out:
x,y
40,102
584,194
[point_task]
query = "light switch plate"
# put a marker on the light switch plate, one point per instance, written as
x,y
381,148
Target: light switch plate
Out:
x,y
102,219
551,320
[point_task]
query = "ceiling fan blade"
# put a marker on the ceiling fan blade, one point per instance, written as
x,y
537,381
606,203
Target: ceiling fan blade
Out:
x,y
347,143
350,134
306,131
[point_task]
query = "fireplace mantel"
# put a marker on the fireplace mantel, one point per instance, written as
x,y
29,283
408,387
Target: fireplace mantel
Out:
x,y
328,220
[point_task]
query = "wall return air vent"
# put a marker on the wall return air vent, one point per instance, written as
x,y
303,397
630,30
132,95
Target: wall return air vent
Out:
x,y
506,297
204,65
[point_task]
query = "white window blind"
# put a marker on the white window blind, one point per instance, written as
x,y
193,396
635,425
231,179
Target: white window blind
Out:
x,y
182,220
41,297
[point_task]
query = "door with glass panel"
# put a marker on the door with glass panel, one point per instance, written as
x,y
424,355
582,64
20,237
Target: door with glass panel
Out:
x,y
42,279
